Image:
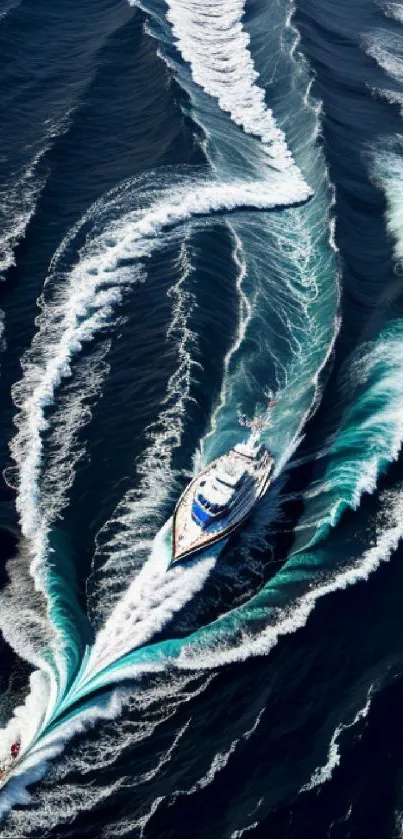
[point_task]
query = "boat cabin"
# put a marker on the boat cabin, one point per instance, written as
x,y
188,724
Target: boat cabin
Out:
x,y
215,494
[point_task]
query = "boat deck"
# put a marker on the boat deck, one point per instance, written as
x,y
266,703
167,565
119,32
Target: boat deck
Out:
x,y
188,537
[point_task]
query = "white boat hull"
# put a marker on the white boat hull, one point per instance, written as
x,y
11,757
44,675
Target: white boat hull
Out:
x,y
189,538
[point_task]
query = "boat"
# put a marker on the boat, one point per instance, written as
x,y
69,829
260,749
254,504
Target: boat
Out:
x,y
222,496
8,763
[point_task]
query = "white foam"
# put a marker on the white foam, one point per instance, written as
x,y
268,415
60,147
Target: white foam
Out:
x,y
19,196
388,171
27,723
387,50
195,655
55,803
212,39
154,705
220,760
238,833
147,605
325,772
34,766
134,827
394,10
86,304
244,316
371,430
113,561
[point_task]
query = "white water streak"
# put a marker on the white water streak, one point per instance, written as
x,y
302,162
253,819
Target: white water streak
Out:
x,y
148,604
325,772
221,759
90,295
294,618
115,553
18,199
212,39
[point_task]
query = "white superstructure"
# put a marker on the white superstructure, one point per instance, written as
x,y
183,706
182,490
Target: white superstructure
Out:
x,y
218,500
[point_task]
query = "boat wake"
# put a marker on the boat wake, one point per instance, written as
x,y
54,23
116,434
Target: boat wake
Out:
x,y
284,338
108,263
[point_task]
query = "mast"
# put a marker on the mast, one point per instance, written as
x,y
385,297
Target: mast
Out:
x,y
257,424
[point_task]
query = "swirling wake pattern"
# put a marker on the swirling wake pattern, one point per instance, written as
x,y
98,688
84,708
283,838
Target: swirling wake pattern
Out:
x,y
274,200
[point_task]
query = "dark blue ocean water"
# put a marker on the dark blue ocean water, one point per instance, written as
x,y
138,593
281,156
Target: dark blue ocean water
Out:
x,y
201,206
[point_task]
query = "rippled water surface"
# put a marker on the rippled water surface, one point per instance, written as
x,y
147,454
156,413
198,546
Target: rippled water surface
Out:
x,y
201,205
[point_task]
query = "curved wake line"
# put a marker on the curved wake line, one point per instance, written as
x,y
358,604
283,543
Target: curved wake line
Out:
x,y
244,317
18,200
325,772
195,653
83,307
371,433
211,38
191,655
126,539
370,437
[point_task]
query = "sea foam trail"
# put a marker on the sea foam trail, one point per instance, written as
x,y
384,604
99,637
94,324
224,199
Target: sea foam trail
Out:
x,y
19,197
151,600
126,539
212,39
151,707
386,48
388,171
370,432
218,646
84,305
45,746
325,772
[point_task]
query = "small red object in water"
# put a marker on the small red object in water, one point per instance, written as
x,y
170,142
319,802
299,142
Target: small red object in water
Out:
x,y
15,750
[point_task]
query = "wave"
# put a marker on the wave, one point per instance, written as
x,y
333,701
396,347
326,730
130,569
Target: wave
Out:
x,y
86,285
219,762
393,10
87,758
325,772
387,170
214,42
387,50
72,314
8,7
369,433
214,45
85,306
198,654
19,197
233,638
125,541
368,439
